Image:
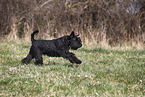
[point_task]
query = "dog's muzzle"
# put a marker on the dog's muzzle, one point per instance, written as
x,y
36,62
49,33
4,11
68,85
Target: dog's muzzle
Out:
x,y
75,48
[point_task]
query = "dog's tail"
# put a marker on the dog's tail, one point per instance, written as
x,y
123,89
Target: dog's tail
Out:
x,y
32,35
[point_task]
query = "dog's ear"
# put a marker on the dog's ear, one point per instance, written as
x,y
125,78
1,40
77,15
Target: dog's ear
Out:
x,y
78,35
72,34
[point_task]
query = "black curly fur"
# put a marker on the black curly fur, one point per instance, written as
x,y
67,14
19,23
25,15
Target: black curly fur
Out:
x,y
54,48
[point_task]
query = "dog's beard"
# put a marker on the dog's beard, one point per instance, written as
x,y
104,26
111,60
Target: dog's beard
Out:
x,y
74,48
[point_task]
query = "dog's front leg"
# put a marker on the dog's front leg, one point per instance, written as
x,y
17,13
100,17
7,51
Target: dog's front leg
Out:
x,y
72,58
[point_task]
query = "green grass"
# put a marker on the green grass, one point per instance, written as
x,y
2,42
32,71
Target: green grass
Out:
x,y
104,72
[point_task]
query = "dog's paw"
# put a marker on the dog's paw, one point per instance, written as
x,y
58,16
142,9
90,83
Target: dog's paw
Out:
x,y
24,61
78,62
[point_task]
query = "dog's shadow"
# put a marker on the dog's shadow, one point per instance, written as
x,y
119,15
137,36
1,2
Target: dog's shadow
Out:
x,y
49,63
60,64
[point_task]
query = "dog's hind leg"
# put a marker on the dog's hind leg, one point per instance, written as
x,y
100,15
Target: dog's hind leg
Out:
x,y
38,58
27,59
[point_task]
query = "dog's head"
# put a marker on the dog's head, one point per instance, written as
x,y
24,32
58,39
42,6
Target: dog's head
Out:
x,y
74,41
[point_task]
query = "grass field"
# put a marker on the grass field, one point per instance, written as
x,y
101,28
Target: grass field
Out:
x,y
104,72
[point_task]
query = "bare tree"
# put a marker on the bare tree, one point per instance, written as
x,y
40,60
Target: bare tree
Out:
x,y
113,21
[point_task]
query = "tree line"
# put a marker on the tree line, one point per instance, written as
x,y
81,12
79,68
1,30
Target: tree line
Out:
x,y
112,21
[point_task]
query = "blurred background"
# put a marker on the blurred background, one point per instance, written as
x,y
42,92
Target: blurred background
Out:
x,y
109,22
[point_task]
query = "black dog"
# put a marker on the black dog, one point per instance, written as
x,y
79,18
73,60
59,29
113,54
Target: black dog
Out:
x,y
54,48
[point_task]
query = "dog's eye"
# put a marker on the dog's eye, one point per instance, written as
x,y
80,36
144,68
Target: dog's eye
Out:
x,y
78,39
